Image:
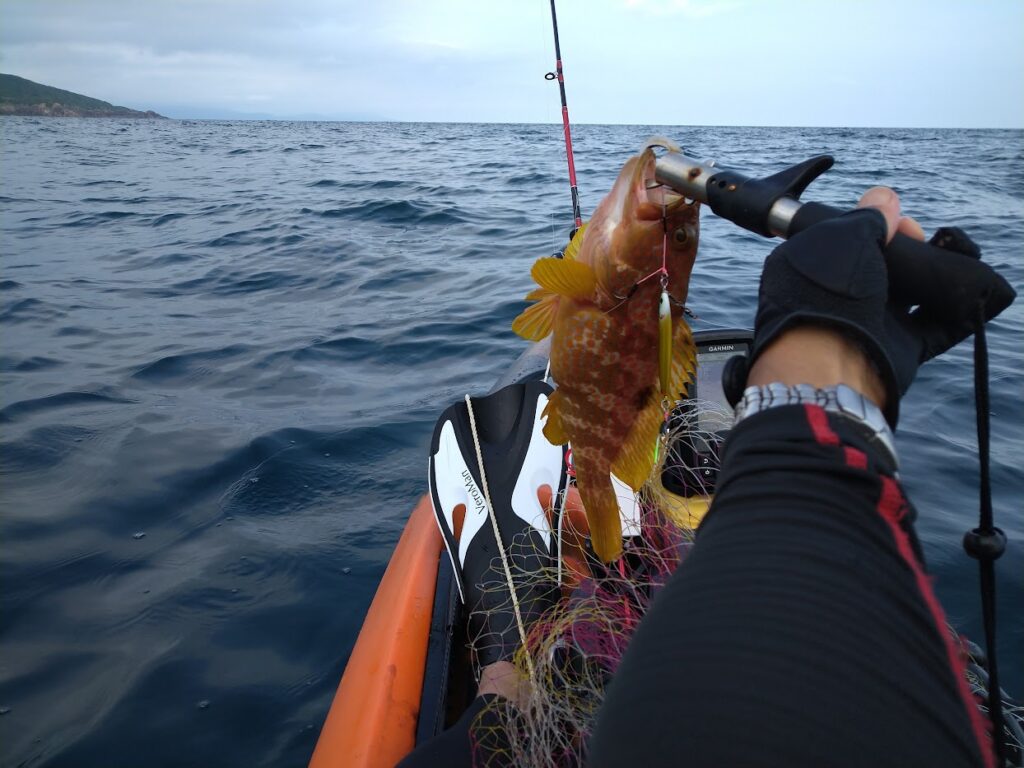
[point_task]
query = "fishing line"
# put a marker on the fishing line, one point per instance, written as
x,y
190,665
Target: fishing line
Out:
x,y
663,270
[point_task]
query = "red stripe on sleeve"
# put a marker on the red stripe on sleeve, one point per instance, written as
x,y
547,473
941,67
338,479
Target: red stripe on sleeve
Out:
x,y
818,420
892,507
855,458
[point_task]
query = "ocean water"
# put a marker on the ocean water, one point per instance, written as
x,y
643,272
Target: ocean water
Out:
x,y
223,346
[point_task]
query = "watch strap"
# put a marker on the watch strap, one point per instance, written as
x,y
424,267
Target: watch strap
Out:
x,y
841,399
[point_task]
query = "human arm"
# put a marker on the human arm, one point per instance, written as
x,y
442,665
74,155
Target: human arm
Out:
x,y
802,629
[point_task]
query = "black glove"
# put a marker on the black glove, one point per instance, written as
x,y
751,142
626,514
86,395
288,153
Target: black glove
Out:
x,y
835,274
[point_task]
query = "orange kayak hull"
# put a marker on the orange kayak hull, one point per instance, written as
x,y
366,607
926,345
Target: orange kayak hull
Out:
x,y
372,721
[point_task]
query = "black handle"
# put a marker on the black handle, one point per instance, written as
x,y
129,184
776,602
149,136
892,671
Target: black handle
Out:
x,y
746,201
938,279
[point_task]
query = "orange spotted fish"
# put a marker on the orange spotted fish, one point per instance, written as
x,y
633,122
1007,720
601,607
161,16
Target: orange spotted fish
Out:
x,y
620,348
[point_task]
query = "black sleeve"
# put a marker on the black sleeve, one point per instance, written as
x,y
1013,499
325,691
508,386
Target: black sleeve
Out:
x,y
801,630
478,738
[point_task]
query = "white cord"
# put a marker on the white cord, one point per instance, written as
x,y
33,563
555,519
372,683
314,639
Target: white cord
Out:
x,y
497,537
561,519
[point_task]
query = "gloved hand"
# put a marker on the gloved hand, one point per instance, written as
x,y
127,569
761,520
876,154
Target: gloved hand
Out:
x,y
834,275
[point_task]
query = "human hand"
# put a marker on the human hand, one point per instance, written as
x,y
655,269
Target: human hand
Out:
x,y
824,312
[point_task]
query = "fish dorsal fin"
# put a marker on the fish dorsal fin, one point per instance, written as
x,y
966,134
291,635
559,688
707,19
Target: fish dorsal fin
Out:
x,y
566,277
684,359
636,457
536,321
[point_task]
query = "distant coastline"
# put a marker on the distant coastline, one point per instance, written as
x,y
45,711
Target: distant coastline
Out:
x,y
19,96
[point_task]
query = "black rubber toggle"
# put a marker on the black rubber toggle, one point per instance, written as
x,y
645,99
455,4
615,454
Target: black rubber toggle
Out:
x,y
734,378
985,545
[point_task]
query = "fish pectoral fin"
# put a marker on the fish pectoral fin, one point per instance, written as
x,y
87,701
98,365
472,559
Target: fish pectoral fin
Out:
x,y
602,508
572,251
537,294
535,322
566,277
684,359
554,429
636,457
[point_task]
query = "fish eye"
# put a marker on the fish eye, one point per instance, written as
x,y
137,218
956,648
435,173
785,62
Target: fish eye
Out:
x,y
681,236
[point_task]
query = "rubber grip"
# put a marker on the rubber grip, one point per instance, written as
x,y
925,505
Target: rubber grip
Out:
x,y
923,274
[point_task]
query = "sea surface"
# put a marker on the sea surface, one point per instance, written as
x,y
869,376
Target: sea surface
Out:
x,y
223,347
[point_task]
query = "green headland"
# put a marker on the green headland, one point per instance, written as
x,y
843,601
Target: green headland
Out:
x,y
19,96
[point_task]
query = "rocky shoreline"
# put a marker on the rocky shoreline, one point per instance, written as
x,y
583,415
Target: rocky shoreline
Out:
x,y
56,109
19,96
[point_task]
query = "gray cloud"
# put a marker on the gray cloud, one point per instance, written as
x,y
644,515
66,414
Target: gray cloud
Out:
x,y
233,54
851,62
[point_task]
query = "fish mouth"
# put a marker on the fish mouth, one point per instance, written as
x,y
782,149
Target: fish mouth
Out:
x,y
653,200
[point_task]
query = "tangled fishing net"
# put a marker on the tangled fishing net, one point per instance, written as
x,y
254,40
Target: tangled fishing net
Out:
x,y
977,680
573,650
575,647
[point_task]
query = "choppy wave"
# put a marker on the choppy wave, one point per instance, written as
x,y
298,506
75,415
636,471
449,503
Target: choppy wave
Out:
x,y
224,347
38,405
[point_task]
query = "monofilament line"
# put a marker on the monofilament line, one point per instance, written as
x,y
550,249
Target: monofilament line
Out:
x,y
497,537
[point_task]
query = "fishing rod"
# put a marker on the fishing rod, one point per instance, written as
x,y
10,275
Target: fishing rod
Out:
x,y
558,75
944,276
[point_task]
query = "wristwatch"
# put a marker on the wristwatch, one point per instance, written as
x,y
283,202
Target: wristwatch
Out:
x,y
864,415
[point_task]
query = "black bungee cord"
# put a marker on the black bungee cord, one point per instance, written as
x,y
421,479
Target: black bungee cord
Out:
x,y
986,542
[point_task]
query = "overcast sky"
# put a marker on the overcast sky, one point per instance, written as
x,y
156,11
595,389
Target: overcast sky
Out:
x,y
915,63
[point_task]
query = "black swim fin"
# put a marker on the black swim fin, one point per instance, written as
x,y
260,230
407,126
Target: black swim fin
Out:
x,y
517,460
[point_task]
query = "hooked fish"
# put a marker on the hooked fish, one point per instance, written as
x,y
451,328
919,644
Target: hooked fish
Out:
x,y
621,349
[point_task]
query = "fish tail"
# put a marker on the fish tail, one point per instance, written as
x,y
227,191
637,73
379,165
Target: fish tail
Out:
x,y
602,507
